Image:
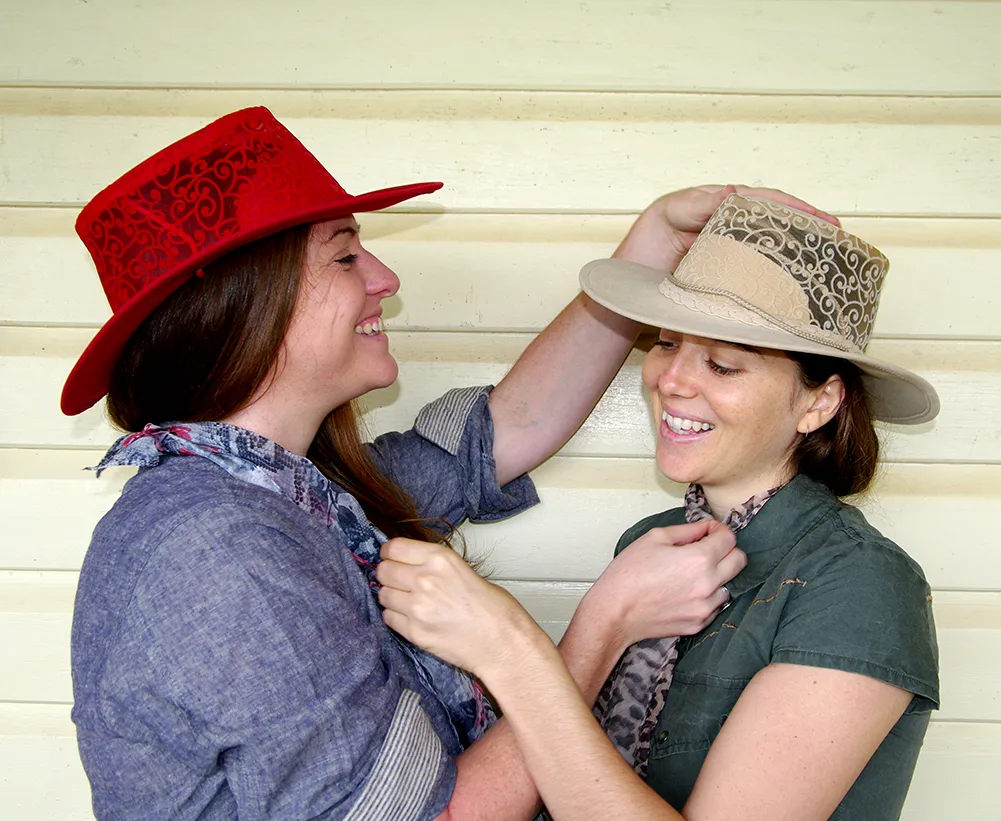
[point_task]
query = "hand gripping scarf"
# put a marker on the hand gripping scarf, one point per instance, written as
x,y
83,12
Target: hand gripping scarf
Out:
x,y
631,701
259,461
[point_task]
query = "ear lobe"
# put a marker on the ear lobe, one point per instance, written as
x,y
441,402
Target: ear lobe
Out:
x,y
827,400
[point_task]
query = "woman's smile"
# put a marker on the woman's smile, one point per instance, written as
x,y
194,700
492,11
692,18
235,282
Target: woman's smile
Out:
x,y
727,415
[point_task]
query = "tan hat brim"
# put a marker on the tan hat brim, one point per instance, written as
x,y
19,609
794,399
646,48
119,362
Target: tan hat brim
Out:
x,y
632,290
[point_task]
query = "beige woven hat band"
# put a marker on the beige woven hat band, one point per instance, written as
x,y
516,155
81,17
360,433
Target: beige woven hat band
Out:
x,y
726,279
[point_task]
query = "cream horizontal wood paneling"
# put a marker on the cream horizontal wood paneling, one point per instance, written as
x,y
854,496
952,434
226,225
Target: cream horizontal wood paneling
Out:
x,y
50,504
40,769
571,153
501,272
784,45
41,777
37,360
552,124
36,612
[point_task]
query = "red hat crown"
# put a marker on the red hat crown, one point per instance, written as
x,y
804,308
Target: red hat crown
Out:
x,y
240,178
226,181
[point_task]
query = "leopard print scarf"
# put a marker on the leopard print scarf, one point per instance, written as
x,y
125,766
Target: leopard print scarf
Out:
x,y
631,701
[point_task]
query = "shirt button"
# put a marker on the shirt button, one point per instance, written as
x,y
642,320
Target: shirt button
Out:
x,y
662,737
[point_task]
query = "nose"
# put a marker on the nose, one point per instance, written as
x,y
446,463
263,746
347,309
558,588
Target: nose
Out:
x,y
380,280
678,375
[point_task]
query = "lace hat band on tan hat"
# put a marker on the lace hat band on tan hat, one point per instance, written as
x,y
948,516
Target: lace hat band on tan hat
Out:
x,y
766,275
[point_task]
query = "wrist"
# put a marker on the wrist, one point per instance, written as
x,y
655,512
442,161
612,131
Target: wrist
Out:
x,y
521,640
593,644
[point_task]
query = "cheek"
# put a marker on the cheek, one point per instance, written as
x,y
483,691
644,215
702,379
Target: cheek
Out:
x,y
650,373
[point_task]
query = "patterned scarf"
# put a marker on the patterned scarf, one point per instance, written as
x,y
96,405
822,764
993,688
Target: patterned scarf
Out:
x,y
631,701
259,461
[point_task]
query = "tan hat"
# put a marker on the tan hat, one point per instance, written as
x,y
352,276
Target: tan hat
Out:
x,y
766,275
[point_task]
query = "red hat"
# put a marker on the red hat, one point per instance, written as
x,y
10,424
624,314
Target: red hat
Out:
x,y
240,178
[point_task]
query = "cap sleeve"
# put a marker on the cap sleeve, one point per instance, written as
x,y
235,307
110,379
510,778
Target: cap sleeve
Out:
x,y
866,610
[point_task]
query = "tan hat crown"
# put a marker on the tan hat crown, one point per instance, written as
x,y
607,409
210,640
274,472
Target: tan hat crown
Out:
x,y
762,263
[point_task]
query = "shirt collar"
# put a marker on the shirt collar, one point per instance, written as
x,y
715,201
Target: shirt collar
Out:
x,y
769,537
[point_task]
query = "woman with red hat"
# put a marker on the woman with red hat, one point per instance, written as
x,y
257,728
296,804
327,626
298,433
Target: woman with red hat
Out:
x,y
229,654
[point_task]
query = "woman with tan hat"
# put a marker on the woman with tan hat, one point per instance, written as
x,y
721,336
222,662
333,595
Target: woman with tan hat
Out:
x,y
229,655
808,696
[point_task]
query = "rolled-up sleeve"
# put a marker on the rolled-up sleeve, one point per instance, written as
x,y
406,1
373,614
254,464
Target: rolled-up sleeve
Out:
x,y
446,464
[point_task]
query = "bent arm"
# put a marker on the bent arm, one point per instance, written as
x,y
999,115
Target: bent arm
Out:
x,y
493,781
559,378
801,733
666,583
555,384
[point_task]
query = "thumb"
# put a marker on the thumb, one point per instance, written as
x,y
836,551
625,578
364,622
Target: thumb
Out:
x,y
709,199
718,542
678,535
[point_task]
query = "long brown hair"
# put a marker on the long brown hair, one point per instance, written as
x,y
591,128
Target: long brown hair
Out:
x,y
844,453
207,350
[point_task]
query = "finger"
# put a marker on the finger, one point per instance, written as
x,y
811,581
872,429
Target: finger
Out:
x,y
397,622
718,543
390,573
394,599
678,535
781,197
709,198
731,564
408,551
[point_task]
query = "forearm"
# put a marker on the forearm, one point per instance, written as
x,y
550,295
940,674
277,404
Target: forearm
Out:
x,y
578,773
493,780
555,384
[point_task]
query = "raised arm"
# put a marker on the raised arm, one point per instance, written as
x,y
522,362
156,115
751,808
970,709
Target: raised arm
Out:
x,y
559,378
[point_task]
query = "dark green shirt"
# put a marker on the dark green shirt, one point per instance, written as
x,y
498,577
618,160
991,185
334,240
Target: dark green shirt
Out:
x,y
821,588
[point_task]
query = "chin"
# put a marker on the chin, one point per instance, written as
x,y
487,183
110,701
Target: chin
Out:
x,y
682,474
384,376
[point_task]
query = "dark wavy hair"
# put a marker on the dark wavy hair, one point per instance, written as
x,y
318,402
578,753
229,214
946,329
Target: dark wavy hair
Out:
x,y
844,453
218,338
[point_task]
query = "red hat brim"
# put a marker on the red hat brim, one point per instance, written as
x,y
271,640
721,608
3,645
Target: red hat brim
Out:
x,y
88,381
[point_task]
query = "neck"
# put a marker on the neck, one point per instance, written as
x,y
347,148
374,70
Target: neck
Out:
x,y
724,498
294,428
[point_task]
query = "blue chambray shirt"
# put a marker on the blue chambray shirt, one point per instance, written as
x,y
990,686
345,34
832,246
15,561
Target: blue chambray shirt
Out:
x,y
229,660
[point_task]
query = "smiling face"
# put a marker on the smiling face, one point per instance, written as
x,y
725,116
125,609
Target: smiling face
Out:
x,y
336,349
727,416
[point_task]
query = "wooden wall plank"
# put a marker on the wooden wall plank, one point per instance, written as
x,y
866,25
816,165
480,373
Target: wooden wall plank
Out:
x,y
501,272
41,777
825,47
36,615
568,153
50,505
34,363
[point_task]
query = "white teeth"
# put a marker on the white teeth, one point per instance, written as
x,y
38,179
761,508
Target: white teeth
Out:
x,y
679,424
370,328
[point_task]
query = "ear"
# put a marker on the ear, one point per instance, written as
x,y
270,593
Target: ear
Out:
x,y
824,404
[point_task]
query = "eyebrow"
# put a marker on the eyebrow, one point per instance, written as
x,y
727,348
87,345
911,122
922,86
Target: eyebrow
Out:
x,y
748,348
350,230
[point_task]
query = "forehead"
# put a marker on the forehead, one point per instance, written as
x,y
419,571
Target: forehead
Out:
x,y
335,228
